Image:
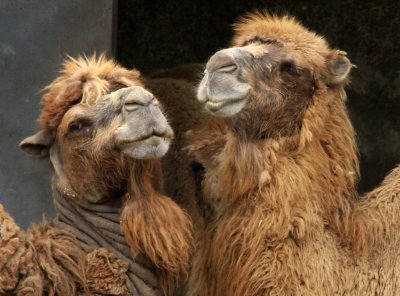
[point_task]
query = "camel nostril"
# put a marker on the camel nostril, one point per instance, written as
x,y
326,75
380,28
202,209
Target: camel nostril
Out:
x,y
132,106
225,61
134,101
227,68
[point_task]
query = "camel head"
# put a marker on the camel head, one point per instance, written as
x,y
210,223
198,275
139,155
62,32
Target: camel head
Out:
x,y
104,133
97,121
265,82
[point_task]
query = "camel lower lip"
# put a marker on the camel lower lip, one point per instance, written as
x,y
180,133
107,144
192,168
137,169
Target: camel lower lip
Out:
x,y
214,106
149,139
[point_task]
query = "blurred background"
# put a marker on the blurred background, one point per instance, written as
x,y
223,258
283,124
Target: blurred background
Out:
x,y
35,35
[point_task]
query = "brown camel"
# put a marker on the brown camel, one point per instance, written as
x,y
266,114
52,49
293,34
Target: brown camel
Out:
x,y
104,134
283,215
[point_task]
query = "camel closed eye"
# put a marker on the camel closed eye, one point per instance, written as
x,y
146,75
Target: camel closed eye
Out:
x,y
80,127
288,67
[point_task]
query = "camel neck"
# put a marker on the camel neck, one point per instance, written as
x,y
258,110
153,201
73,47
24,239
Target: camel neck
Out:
x,y
97,226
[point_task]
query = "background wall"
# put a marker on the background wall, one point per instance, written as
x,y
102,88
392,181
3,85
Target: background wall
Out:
x,y
35,36
159,34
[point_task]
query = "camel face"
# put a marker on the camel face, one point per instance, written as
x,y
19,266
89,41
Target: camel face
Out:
x,y
108,136
143,131
262,88
97,124
259,74
127,120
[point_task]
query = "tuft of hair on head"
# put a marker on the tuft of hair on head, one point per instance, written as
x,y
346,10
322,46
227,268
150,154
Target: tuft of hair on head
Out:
x,y
264,26
83,79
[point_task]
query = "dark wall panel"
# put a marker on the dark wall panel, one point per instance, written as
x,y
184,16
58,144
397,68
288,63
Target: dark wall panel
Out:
x,y
35,37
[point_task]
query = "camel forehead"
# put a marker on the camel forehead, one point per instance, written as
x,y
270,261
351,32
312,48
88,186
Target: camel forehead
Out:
x,y
288,30
85,80
274,50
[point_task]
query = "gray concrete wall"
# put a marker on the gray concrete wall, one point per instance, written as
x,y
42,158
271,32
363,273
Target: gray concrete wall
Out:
x,y
35,37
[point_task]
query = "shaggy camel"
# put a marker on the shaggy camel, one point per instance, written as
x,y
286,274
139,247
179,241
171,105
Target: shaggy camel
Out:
x,y
104,134
283,216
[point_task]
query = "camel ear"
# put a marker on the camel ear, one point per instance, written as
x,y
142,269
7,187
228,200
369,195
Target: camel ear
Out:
x,y
37,145
339,67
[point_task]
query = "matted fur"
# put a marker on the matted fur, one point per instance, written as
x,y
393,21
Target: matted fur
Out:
x,y
10,241
286,218
43,261
104,264
53,263
47,260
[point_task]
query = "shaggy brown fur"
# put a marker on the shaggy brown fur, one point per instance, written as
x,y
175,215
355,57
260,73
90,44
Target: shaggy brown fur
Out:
x,y
49,261
90,170
280,178
157,227
43,261
10,240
